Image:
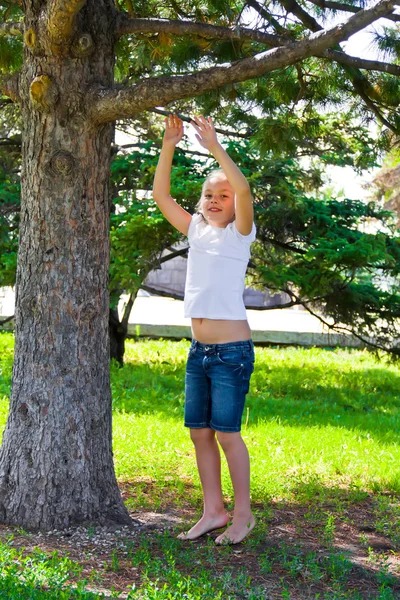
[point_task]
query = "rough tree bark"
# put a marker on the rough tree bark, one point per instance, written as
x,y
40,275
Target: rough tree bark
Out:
x,y
56,464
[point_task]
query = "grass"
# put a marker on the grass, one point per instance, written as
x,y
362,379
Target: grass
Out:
x,y
322,427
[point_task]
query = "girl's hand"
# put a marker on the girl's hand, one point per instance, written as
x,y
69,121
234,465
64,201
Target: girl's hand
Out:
x,y
173,130
205,131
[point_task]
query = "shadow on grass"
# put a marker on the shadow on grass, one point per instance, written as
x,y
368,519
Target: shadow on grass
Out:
x,y
328,541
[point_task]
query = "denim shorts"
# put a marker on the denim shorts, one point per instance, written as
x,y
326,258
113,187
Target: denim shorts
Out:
x,y
217,381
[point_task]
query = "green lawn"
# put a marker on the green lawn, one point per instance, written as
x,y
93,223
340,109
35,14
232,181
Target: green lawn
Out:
x,y
322,427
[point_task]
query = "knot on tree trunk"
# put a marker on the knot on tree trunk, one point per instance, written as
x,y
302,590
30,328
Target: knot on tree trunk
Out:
x,y
62,163
83,45
30,39
44,93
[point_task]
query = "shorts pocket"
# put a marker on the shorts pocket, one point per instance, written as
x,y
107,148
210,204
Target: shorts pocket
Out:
x,y
231,358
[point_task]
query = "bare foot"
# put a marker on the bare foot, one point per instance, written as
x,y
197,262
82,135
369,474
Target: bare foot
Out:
x,y
205,525
237,531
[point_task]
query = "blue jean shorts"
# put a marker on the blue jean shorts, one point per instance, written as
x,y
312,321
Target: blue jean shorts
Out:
x,y
216,383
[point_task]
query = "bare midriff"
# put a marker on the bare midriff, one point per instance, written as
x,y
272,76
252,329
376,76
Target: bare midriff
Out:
x,y
218,331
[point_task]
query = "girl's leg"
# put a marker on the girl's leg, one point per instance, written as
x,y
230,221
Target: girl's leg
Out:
x,y
209,465
237,457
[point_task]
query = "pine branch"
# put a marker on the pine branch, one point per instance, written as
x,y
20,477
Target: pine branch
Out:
x,y
9,28
61,16
345,7
336,5
157,292
6,320
19,3
262,11
126,25
360,89
108,105
339,328
158,146
292,7
182,252
240,34
359,81
8,209
9,86
361,63
14,141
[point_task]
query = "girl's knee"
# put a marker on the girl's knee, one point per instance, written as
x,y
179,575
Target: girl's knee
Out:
x,y
228,438
204,434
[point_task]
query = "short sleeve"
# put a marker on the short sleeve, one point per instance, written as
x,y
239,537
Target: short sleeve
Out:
x,y
250,238
194,222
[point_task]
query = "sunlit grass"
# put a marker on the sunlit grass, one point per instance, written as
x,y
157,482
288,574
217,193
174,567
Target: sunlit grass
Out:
x,y
315,420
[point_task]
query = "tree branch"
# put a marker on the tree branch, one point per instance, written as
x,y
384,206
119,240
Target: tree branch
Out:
x,y
367,341
7,209
182,252
7,320
9,86
11,141
301,14
157,292
176,27
19,3
108,105
359,87
262,11
345,7
60,21
125,25
9,28
359,81
360,63
336,5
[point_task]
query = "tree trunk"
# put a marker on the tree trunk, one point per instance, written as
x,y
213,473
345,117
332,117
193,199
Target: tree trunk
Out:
x,y
56,466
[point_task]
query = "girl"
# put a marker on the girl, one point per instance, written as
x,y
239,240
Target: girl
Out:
x,y
221,356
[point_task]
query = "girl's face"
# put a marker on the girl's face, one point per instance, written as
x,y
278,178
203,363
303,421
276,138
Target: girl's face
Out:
x,y
218,202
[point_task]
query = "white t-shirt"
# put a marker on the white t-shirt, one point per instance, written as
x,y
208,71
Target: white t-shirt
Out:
x,y
216,270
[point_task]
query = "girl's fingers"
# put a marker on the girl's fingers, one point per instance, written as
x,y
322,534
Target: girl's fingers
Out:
x,y
197,128
173,122
200,121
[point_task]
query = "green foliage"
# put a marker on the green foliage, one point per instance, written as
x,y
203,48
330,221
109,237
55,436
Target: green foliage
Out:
x,y
324,252
314,247
10,160
10,55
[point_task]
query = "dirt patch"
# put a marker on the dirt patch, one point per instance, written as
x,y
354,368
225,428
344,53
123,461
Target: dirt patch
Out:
x,y
291,544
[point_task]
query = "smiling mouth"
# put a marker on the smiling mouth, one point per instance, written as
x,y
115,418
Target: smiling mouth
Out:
x,y
214,210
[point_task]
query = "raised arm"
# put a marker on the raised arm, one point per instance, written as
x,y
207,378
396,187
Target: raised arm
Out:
x,y
244,213
175,214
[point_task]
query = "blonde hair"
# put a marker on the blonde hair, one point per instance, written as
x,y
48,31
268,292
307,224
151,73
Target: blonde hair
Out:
x,y
216,174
